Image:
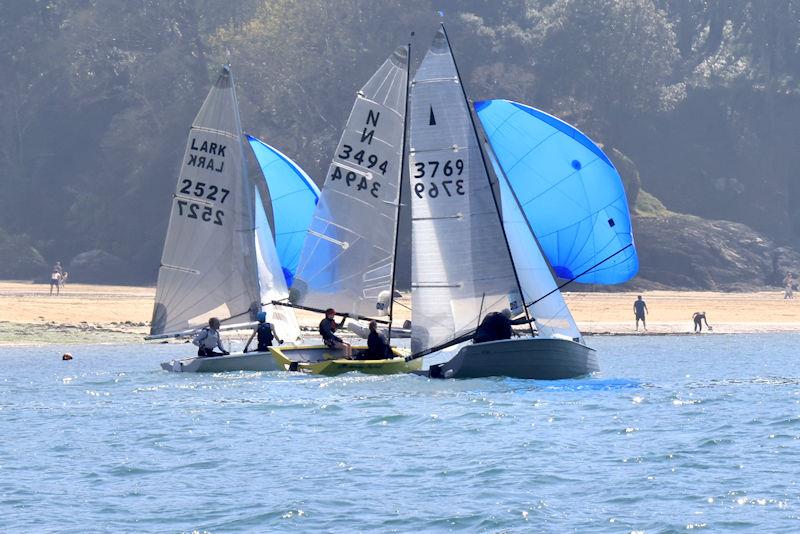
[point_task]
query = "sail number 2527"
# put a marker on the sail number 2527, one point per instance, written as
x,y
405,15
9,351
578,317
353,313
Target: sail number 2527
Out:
x,y
447,187
204,191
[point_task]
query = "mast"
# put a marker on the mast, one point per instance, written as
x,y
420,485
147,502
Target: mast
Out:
x,y
489,179
399,198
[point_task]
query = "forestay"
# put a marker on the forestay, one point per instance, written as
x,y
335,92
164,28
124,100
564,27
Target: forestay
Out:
x,y
209,264
293,197
347,258
569,190
461,267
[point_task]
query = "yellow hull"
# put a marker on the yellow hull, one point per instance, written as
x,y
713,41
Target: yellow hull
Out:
x,y
320,360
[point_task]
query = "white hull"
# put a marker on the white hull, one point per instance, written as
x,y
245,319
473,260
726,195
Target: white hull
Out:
x,y
238,361
534,358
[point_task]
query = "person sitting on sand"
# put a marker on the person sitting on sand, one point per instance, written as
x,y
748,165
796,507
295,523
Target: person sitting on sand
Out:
x,y
55,281
265,332
640,311
327,329
208,339
377,348
700,318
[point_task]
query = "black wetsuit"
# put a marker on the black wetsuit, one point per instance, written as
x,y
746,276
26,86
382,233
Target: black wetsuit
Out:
x,y
377,348
265,337
494,326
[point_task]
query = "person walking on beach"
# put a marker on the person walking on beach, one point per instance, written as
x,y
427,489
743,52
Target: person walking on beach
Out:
x,y
699,318
640,311
788,284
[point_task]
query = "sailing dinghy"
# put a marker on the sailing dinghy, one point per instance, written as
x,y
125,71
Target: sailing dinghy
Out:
x,y
219,257
349,254
473,251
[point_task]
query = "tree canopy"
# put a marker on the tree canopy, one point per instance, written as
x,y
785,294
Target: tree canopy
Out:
x,y
701,95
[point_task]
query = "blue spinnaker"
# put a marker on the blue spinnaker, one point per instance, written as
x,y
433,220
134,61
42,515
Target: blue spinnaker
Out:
x,y
294,197
571,193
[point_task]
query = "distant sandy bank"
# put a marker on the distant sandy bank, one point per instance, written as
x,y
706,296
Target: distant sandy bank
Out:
x,y
113,314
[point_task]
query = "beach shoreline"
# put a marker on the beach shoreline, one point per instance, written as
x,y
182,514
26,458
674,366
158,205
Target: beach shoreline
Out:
x,y
88,314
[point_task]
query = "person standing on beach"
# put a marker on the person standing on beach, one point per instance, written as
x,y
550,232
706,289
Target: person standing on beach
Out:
x,y
788,284
55,281
640,311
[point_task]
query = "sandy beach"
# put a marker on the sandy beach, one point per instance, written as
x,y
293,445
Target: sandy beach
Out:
x,y
111,314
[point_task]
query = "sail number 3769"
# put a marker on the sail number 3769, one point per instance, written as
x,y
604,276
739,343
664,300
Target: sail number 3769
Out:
x,y
431,169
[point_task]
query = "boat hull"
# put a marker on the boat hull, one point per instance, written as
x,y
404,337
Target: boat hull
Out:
x,y
320,360
238,361
533,358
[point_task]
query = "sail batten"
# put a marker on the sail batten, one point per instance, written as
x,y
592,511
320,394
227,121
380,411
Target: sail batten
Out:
x,y
348,255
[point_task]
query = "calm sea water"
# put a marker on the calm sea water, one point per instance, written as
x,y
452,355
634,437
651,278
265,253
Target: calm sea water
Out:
x,y
676,433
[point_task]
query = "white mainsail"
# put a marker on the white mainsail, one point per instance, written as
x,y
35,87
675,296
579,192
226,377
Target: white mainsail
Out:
x,y
461,265
209,263
348,256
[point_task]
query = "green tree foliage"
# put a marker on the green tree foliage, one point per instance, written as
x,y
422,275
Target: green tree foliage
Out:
x,y
700,95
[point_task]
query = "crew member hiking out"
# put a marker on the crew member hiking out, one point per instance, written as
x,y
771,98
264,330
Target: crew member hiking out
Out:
x,y
640,311
496,326
208,339
327,329
265,332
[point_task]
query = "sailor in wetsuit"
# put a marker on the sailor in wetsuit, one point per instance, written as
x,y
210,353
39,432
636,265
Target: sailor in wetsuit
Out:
x,y
265,332
496,326
208,339
327,329
377,348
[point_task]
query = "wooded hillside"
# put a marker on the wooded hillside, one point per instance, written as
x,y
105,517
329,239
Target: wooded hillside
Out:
x,y
696,101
